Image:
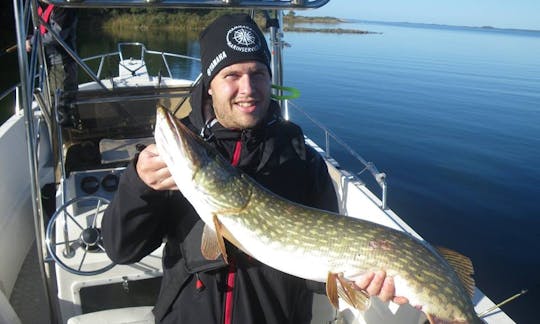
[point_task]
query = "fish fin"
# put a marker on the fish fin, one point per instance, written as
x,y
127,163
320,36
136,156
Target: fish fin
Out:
x,y
220,241
332,289
209,244
431,319
462,265
359,299
337,286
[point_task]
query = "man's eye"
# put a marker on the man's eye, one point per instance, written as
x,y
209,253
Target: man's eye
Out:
x,y
260,74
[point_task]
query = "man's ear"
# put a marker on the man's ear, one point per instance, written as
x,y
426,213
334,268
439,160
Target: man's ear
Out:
x,y
209,92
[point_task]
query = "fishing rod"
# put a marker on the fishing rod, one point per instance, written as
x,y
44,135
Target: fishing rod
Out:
x,y
8,50
504,302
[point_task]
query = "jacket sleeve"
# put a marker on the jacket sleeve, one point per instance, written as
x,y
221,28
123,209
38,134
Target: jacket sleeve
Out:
x,y
134,222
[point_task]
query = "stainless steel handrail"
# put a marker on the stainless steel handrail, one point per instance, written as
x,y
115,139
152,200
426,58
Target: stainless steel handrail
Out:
x,y
102,58
9,90
380,177
72,53
16,88
123,44
119,54
212,4
164,56
21,13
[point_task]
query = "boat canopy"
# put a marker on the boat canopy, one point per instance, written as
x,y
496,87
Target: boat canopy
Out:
x,y
247,4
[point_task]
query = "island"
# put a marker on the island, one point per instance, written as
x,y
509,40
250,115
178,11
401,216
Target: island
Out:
x,y
114,19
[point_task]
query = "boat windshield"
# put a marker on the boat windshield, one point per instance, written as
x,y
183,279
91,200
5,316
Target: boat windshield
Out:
x,y
119,113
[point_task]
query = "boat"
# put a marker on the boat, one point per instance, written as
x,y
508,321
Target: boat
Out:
x,y
62,161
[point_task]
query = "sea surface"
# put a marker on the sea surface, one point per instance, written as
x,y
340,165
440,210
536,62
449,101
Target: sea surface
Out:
x,y
451,115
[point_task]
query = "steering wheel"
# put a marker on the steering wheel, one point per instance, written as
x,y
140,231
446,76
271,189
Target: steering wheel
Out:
x,y
73,236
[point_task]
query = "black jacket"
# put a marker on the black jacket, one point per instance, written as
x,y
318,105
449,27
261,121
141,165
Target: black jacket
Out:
x,y
195,290
64,22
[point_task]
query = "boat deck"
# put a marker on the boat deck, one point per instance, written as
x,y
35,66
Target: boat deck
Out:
x,y
28,297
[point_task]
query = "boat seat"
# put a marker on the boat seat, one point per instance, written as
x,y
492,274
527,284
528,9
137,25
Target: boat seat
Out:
x,y
128,315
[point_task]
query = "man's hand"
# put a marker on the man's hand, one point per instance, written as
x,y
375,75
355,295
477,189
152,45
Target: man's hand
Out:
x,y
153,171
378,284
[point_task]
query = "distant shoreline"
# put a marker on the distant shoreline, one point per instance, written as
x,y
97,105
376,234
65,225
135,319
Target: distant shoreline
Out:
x,y
290,21
119,21
326,30
444,26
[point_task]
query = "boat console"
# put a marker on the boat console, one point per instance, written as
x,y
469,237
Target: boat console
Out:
x,y
104,130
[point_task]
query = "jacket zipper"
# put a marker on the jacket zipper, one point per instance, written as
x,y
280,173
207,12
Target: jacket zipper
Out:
x,y
229,292
236,153
231,274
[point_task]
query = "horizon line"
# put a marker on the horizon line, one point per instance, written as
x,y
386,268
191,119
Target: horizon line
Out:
x,y
485,27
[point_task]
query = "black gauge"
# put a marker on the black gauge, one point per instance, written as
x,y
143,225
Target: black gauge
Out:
x,y
89,184
110,182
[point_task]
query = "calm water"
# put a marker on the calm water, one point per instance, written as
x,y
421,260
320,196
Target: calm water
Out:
x,y
452,117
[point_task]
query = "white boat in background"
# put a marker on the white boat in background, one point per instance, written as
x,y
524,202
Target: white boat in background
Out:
x,y
60,167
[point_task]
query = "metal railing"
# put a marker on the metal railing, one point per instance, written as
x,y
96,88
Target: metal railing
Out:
x,y
120,55
101,58
12,90
22,14
379,177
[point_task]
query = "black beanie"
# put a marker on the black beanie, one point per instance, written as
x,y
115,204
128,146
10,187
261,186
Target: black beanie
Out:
x,y
230,39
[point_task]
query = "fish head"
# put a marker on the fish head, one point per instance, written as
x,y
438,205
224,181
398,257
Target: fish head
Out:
x,y
178,146
200,172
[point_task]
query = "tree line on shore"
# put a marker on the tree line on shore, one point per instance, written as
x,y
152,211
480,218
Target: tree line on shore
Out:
x,y
185,20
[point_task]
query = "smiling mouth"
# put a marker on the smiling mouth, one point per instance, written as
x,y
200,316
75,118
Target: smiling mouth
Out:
x,y
246,106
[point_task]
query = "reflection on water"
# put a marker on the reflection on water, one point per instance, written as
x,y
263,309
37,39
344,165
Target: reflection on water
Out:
x,y
452,117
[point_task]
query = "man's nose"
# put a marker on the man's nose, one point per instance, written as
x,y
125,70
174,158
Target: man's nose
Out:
x,y
246,84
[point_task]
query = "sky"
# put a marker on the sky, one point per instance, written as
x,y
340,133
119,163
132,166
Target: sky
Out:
x,y
519,14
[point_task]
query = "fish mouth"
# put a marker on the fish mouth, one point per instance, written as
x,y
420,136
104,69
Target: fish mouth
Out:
x,y
183,138
172,125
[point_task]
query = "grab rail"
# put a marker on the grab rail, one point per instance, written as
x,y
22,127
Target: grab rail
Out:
x,y
164,57
16,89
102,58
211,4
380,177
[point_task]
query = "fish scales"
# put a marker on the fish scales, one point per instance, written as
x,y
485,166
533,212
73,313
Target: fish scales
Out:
x,y
303,241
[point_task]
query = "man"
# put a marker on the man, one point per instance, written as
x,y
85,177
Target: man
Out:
x,y
62,69
231,110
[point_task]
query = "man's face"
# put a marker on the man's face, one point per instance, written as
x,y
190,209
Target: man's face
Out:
x,y
241,94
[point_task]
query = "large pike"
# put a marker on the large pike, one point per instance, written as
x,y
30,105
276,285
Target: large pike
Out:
x,y
307,242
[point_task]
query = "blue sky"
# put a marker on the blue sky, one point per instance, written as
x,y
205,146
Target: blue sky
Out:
x,y
522,14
